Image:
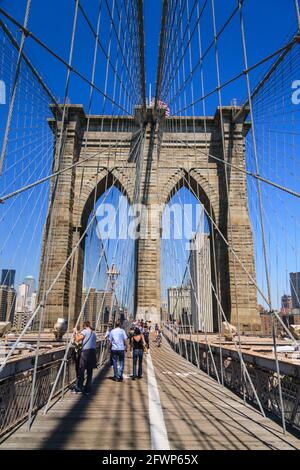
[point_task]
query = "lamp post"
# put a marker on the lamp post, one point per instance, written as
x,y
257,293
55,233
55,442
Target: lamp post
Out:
x,y
113,275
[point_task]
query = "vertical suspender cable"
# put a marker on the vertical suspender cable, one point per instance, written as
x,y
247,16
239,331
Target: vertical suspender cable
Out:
x,y
240,3
14,89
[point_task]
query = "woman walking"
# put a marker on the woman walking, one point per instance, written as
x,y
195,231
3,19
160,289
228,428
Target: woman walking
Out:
x,y
138,344
88,360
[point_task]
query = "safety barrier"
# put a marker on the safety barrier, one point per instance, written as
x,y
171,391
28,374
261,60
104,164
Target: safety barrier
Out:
x,y
15,391
262,371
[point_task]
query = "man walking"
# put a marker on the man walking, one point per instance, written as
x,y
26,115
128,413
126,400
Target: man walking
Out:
x,y
118,346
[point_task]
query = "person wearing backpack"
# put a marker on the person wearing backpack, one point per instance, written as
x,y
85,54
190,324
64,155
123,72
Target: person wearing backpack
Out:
x,y
88,360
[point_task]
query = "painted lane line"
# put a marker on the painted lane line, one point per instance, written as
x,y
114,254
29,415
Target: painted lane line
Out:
x,y
158,430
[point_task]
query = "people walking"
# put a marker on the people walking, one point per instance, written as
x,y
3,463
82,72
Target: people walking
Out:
x,y
138,345
118,347
159,338
106,337
88,360
147,336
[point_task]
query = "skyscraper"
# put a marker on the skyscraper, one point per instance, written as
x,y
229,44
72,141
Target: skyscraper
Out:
x,y
30,282
22,298
7,303
295,289
8,277
98,304
201,291
179,303
26,303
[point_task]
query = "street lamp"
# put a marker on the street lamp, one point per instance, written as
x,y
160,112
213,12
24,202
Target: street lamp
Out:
x,y
113,275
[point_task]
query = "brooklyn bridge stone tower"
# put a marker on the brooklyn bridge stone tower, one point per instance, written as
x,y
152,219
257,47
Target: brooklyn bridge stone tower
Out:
x,y
191,151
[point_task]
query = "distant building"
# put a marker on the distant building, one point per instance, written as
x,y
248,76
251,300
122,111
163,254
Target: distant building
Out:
x,y
286,303
98,303
31,302
30,282
201,291
8,277
266,323
21,319
295,289
179,303
294,316
22,298
164,314
7,303
26,302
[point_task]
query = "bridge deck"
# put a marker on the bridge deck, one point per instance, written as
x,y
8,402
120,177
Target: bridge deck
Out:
x,y
197,414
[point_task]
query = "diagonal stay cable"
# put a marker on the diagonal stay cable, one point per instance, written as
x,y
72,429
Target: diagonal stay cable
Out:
x,y
57,173
286,47
30,34
14,88
40,305
238,348
28,63
247,172
243,267
27,326
80,315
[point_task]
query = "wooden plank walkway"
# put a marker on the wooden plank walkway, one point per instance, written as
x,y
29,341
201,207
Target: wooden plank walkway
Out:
x,y
198,414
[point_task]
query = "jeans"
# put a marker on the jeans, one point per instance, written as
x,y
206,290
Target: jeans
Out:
x,y
121,356
138,356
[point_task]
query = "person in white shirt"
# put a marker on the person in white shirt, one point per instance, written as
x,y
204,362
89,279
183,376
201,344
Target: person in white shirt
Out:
x,y
118,347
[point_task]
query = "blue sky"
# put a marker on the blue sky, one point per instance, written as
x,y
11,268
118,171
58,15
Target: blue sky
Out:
x,y
268,25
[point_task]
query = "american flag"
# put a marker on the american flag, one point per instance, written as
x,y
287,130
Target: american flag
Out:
x,y
162,105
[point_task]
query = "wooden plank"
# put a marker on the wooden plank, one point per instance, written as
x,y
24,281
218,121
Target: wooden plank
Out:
x,y
198,414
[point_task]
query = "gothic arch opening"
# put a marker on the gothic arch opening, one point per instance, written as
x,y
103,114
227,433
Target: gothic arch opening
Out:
x,y
188,257
104,276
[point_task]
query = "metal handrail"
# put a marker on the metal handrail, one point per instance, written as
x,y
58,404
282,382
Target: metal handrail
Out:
x,y
15,391
264,378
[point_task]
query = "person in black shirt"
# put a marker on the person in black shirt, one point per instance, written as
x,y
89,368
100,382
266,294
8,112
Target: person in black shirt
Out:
x,y
137,344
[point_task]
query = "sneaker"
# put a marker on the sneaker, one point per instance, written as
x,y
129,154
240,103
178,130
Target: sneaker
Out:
x,y
140,377
120,379
86,393
76,391
133,378
115,379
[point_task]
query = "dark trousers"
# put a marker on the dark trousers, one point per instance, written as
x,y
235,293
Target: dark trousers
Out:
x,y
118,356
138,357
87,363
77,362
89,378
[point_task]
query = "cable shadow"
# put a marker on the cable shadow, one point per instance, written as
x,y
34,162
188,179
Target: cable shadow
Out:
x,y
164,362
233,396
65,427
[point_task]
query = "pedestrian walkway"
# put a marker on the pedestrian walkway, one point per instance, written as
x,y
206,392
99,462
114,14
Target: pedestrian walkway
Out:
x,y
174,406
